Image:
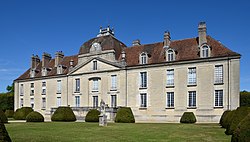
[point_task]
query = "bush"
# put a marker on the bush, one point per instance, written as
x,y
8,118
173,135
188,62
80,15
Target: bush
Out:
x,y
22,113
245,98
228,119
124,115
238,116
3,118
242,132
63,114
222,119
34,117
92,116
9,113
188,117
4,136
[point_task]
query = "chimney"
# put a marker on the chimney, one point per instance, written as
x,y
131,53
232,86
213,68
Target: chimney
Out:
x,y
35,60
136,42
58,58
202,30
123,57
167,39
45,59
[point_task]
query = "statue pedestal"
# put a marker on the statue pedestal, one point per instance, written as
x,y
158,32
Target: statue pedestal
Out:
x,y
103,120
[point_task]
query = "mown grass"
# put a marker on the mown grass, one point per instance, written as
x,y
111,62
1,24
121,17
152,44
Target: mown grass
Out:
x,y
91,132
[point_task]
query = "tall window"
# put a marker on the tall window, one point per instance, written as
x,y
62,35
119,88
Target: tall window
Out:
x,y
59,86
95,101
205,51
21,102
77,85
113,82
21,90
191,76
32,89
32,102
77,101
170,99
43,103
113,101
143,100
58,101
218,98
95,84
218,74
94,65
143,58
143,79
43,88
170,55
192,99
170,77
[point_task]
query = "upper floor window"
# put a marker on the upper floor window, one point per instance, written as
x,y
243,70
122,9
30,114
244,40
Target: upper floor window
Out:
x,y
143,79
204,51
32,92
191,76
43,88
59,86
218,74
113,82
77,83
95,84
94,65
170,77
21,89
170,55
143,58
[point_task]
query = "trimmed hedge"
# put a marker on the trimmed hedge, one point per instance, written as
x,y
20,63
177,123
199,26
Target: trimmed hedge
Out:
x,y
34,117
245,98
9,113
242,132
238,116
92,116
64,114
22,113
188,117
222,119
124,115
3,117
229,118
4,136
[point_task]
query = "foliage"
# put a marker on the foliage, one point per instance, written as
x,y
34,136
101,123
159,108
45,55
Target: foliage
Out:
x,y
188,117
4,136
238,116
92,116
228,119
9,113
245,98
124,115
3,118
10,89
242,132
22,113
222,119
7,101
63,114
34,116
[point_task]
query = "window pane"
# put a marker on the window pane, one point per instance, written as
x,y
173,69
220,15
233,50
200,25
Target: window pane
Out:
x,y
192,76
192,99
113,81
170,77
143,81
94,65
218,74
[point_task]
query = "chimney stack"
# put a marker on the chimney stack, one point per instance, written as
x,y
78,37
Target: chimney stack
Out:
x,y
35,60
136,42
167,39
202,30
58,58
45,59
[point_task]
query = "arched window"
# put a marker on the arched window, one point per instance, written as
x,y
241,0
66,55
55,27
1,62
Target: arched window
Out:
x,y
170,55
205,51
143,58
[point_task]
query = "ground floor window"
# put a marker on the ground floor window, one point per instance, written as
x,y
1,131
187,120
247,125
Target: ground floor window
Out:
x,y
143,100
192,99
32,102
113,101
218,98
77,101
58,101
21,102
170,99
43,103
95,101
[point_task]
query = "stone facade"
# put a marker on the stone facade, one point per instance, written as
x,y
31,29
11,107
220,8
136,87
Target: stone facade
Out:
x,y
159,81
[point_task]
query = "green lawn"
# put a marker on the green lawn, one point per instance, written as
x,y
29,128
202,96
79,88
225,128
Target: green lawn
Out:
x,y
91,132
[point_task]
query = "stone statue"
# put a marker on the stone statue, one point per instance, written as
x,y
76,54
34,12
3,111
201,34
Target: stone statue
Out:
x,y
102,116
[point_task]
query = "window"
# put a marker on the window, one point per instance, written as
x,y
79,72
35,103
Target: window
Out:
x,y
218,74
192,99
77,85
143,100
170,99
43,84
143,58
77,101
218,98
113,101
94,65
32,102
204,51
113,82
21,90
143,80
170,55
95,101
43,103
43,88
191,76
58,101
32,92
170,77
59,86
95,84
21,102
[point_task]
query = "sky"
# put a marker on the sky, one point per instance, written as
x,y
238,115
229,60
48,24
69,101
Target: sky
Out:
x,y
35,26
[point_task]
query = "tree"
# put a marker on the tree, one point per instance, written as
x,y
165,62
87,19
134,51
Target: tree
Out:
x,y
10,89
245,98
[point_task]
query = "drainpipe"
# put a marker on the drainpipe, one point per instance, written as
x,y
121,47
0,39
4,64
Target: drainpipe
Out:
x,y
228,84
67,90
126,87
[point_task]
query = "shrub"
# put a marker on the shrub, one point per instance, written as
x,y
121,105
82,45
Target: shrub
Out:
x,y
65,114
124,115
92,116
3,118
22,113
188,117
4,136
34,116
9,113
238,116
242,132
228,118
222,119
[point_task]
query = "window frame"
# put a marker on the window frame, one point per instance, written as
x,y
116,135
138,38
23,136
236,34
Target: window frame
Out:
x,y
59,101
218,74
21,89
170,100
95,101
95,85
113,101
205,51
77,101
59,87
170,55
143,80
192,76
77,85
94,65
218,103
43,103
170,77
113,82
143,58
143,100
193,102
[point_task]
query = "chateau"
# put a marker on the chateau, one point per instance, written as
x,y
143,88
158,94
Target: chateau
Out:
x,y
159,81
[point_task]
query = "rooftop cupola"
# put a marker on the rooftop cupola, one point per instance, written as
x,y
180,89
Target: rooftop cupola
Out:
x,y
167,39
106,31
202,30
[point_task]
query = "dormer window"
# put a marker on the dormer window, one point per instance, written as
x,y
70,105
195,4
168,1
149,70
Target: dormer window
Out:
x,y
143,58
170,55
59,69
205,51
